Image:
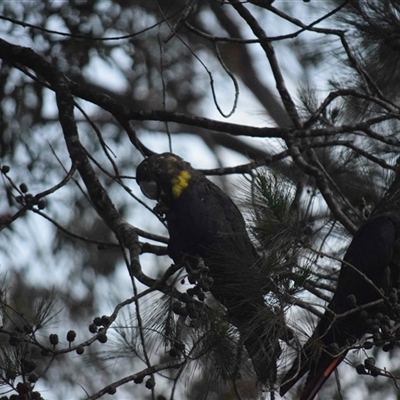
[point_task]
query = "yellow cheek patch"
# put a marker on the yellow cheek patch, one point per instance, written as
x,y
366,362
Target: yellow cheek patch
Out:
x,y
180,182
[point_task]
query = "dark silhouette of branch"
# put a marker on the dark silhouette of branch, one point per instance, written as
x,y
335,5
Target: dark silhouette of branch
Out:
x,y
270,53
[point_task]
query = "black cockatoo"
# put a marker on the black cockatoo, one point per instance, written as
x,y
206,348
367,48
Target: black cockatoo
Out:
x,y
203,221
369,271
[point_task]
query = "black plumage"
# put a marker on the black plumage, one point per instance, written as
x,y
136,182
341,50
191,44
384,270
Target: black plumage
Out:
x,y
203,221
369,271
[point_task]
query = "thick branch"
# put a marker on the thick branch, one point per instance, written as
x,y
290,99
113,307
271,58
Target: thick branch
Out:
x,y
65,101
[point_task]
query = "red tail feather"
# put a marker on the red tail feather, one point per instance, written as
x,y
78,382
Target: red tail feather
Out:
x,y
314,384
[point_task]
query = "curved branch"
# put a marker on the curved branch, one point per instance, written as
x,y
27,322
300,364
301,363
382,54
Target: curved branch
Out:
x,y
99,198
322,184
270,53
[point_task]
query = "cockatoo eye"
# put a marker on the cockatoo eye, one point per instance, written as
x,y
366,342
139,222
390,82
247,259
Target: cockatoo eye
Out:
x,y
150,189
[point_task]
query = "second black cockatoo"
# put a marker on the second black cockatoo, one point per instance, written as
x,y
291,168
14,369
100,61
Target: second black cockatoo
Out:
x,y
369,271
203,221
